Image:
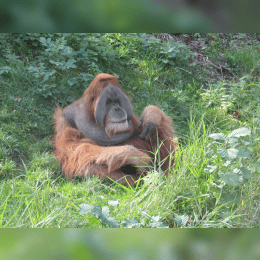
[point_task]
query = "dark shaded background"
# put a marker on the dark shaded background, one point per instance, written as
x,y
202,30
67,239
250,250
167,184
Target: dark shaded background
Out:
x,y
129,16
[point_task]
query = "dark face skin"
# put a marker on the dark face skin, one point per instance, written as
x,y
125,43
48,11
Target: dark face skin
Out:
x,y
113,113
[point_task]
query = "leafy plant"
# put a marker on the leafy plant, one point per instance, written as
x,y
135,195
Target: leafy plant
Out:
x,y
101,216
6,69
175,53
171,53
182,221
228,155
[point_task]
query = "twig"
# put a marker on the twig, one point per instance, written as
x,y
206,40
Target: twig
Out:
x,y
221,67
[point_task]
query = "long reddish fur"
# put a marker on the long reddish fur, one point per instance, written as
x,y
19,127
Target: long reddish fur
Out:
x,y
76,153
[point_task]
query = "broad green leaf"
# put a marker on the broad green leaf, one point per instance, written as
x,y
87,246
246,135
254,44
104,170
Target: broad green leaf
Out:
x,y
101,213
244,153
227,163
244,172
97,211
85,209
70,82
229,154
154,221
243,131
237,176
164,60
94,221
224,212
70,63
105,212
229,198
218,136
131,223
223,152
232,141
43,40
245,142
112,222
182,220
230,177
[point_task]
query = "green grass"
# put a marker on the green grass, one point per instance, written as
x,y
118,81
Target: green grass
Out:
x,y
34,193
